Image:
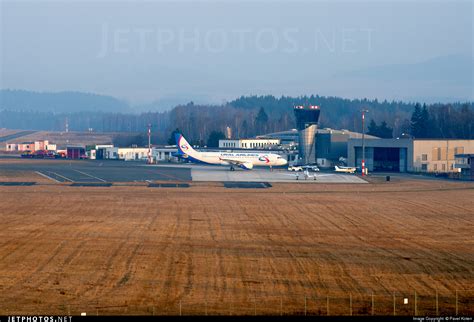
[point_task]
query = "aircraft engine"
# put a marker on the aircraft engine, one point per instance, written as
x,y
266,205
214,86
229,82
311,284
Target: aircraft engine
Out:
x,y
247,166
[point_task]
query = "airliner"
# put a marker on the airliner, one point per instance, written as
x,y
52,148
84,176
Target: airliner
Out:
x,y
244,160
345,169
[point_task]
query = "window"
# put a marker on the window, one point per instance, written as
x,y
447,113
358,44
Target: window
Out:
x,y
435,167
424,157
424,167
436,154
443,167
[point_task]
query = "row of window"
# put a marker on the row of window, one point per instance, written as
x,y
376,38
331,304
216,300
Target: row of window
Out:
x,y
247,145
424,167
439,154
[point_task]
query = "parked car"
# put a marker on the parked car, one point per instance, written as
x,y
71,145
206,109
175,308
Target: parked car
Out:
x,y
312,168
295,168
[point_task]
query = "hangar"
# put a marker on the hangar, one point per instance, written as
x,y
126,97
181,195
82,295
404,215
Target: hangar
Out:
x,y
408,155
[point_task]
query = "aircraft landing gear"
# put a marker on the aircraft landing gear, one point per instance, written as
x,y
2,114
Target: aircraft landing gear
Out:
x,y
232,168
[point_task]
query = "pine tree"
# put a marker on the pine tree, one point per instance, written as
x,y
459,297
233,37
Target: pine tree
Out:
x,y
172,139
214,137
384,131
261,120
416,122
424,123
372,129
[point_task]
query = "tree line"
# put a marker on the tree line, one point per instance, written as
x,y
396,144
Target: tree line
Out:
x,y
257,115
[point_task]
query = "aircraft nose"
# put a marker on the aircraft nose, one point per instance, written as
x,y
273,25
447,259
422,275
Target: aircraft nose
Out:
x,y
284,162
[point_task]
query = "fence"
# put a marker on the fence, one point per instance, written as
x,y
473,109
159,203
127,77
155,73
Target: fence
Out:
x,y
405,304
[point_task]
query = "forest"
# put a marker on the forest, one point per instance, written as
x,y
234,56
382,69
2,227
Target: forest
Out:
x,y
248,116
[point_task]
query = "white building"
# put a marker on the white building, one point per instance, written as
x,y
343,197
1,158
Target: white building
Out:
x,y
129,154
249,144
164,154
98,151
11,147
126,154
39,145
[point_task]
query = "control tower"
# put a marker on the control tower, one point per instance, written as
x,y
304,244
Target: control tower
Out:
x,y
307,124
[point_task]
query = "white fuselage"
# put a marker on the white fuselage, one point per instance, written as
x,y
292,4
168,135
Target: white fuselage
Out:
x,y
227,158
245,160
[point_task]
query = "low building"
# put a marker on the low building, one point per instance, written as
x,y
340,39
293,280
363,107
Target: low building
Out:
x,y
40,145
44,145
465,163
166,154
287,139
11,147
127,154
75,152
258,143
25,146
98,152
137,154
408,155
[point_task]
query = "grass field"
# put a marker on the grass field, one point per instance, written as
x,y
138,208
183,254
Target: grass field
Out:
x,y
289,249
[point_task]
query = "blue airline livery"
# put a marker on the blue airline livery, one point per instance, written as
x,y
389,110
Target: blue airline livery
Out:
x,y
241,159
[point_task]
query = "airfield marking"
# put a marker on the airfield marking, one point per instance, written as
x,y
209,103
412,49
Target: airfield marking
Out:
x,y
46,176
62,176
90,175
166,175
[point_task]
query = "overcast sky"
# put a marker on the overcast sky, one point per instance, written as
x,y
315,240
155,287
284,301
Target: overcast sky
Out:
x,y
211,51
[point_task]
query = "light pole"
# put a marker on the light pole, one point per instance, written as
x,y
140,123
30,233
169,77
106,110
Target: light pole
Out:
x,y
363,140
149,144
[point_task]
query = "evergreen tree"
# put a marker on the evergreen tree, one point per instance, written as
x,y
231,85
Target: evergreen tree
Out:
x,y
372,129
416,122
172,140
214,137
384,131
261,120
381,131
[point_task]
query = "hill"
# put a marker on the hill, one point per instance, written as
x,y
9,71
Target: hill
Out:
x,y
59,102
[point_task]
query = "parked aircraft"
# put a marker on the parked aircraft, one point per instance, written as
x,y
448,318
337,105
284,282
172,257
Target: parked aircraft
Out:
x,y
244,160
345,169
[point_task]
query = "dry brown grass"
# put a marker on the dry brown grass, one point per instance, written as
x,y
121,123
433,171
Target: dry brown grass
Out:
x,y
65,138
138,250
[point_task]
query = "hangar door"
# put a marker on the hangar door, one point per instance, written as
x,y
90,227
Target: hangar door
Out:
x,y
387,159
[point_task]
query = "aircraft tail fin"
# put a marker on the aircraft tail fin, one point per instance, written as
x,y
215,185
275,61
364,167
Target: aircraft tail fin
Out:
x,y
183,146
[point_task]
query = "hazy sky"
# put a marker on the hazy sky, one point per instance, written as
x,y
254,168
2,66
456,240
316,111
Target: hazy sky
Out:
x,y
215,50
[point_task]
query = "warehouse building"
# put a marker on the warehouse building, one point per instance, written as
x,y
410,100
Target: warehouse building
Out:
x,y
408,155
